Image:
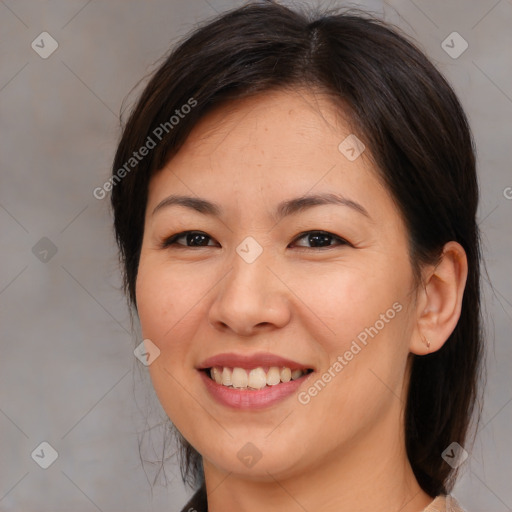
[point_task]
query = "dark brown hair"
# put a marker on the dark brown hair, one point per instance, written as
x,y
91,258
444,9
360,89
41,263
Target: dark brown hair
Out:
x,y
417,133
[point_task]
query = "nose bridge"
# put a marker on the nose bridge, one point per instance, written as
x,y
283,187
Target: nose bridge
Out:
x,y
247,284
250,270
250,296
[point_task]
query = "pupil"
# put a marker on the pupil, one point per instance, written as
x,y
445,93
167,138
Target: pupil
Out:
x,y
319,239
197,239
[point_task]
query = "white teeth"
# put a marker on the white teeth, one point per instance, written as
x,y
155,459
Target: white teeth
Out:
x,y
273,376
255,378
216,374
239,378
226,377
296,374
285,374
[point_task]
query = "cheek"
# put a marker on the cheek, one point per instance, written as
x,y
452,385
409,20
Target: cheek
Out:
x,y
164,297
363,318
165,303
168,308
343,301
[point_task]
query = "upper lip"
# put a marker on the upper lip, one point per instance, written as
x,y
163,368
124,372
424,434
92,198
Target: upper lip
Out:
x,y
246,361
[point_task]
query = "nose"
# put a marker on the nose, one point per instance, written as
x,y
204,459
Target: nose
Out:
x,y
250,299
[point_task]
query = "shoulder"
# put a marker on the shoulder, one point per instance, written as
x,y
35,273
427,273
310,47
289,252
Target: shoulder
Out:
x,y
444,503
441,503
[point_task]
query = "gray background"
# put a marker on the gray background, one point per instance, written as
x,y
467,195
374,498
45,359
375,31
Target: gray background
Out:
x,y
68,375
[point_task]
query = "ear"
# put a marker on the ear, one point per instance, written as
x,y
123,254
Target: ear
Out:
x,y
440,300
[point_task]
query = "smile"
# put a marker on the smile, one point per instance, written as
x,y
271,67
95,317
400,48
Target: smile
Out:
x,y
252,381
256,378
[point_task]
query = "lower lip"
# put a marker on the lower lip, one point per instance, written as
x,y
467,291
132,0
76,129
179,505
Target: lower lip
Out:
x,y
251,399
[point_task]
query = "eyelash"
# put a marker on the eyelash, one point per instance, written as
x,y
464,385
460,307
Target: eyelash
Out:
x,y
172,240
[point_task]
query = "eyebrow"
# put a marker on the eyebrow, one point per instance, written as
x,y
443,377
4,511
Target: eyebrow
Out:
x,y
284,209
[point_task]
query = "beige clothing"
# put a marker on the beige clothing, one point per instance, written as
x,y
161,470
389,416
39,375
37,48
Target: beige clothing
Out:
x,y
440,504
444,504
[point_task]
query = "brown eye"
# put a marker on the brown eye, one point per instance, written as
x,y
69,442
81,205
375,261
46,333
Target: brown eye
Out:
x,y
319,239
189,239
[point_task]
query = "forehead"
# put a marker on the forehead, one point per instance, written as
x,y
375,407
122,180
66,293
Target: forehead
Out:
x,y
269,121
273,145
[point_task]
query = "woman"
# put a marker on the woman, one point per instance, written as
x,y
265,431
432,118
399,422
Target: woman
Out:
x,y
294,201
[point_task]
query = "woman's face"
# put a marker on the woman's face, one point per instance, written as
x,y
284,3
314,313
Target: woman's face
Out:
x,y
269,279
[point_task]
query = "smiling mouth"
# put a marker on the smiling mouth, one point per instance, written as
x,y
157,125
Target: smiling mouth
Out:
x,y
255,378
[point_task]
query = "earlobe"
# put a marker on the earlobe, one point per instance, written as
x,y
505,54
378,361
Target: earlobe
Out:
x,y
440,300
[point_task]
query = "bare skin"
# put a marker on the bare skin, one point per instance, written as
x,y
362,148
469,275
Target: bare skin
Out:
x,y
344,449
